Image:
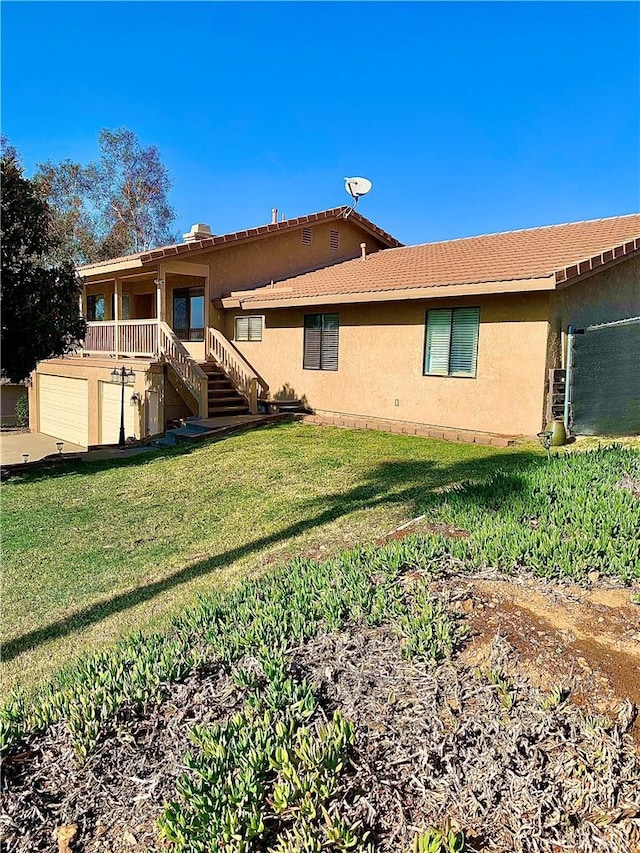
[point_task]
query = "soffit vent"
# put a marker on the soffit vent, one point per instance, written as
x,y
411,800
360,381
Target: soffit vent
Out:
x,y
334,240
307,236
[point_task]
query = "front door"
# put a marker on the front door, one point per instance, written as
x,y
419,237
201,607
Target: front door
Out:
x,y
188,313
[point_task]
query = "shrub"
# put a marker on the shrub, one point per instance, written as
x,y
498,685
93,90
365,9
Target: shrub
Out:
x,y
22,411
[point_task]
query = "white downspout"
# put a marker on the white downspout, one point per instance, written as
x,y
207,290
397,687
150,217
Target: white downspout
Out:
x,y
568,377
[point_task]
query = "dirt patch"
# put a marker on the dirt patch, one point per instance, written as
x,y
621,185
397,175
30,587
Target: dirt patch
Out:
x,y
587,640
419,525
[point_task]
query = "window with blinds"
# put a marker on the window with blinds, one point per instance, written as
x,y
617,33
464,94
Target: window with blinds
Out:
x,y
320,342
451,342
248,328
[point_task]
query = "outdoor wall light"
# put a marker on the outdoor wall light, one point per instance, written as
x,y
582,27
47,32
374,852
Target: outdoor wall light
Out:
x,y
60,445
136,398
25,458
123,376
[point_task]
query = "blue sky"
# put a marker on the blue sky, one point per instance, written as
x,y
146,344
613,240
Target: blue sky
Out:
x,y
468,117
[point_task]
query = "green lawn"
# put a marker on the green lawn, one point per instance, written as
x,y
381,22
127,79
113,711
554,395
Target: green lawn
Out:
x,y
100,550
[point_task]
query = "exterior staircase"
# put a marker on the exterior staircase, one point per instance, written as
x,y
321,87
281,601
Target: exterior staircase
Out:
x,y
222,396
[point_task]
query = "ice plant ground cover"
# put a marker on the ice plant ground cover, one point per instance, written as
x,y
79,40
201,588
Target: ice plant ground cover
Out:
x,y
334,704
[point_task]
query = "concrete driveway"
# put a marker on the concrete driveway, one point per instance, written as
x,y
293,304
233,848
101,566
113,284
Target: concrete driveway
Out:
x,y
14,444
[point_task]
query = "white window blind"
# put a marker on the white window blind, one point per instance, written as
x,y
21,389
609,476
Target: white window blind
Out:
x,y
248,328
464,341
451,346
438,342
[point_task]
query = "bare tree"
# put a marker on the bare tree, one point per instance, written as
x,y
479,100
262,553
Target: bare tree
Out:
x,y
114,206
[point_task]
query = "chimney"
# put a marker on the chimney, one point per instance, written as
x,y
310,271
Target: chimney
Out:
x,y
199,231
363,251
274,215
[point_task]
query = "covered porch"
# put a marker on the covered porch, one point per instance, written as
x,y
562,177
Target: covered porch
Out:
x,y
126,311
164,314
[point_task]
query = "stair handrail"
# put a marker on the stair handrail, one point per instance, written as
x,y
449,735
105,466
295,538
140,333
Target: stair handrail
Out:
x,y
235,365
174,352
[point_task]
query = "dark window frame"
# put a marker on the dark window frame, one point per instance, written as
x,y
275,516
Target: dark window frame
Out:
x,y
190,334
323,353
92,299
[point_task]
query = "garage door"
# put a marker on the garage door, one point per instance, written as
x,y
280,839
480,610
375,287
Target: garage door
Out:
x,y
110,413
64,408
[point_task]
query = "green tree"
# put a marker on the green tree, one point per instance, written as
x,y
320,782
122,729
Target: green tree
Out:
x,y
39,300
113,206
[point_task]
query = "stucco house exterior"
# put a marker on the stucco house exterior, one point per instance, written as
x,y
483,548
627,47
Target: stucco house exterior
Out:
x,y
10,393
158,313
466,334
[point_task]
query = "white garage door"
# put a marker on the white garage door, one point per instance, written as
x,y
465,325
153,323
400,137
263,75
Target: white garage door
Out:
x,y
64,408
110,405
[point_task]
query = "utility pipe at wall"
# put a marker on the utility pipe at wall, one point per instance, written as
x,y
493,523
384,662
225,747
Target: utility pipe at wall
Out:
x,y
567,378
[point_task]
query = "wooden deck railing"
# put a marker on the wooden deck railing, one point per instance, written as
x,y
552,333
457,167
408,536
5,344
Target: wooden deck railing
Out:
x,y
100,338
237,368
135,338
173,351
158,340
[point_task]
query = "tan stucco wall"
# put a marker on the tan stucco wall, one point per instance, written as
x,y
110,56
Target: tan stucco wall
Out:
x,y
282,255
9,396
613,294
248,264
148,377
381,361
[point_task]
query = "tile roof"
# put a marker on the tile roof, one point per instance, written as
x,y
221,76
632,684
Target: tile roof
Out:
x,y
161,252
532,253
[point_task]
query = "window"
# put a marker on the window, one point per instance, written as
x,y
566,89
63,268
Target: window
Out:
x,y
334,240
248,329
307,236
188,313
95,308
125,306
451,342
320,342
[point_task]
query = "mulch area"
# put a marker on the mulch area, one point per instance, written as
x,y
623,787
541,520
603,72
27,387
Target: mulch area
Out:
x,y
431,744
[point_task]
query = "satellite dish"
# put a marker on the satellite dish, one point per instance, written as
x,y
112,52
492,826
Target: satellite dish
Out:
x,y
357,186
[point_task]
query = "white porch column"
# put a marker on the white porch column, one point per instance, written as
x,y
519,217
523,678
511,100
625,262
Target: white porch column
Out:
x,y
207,309
116,313
82,307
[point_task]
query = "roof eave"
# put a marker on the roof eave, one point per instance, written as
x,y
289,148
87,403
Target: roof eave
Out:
x,y
245,236
482,288
106,268
580,270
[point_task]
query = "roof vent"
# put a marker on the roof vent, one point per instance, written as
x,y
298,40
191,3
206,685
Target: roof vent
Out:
x,y
199,231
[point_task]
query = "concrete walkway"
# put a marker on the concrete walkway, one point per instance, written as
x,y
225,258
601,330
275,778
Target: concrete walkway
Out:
x,y
14,444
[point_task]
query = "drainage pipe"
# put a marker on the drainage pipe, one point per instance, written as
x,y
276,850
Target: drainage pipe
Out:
x,y
568,377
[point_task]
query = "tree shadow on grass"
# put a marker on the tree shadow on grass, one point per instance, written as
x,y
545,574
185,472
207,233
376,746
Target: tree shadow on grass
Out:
x,y
395,482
